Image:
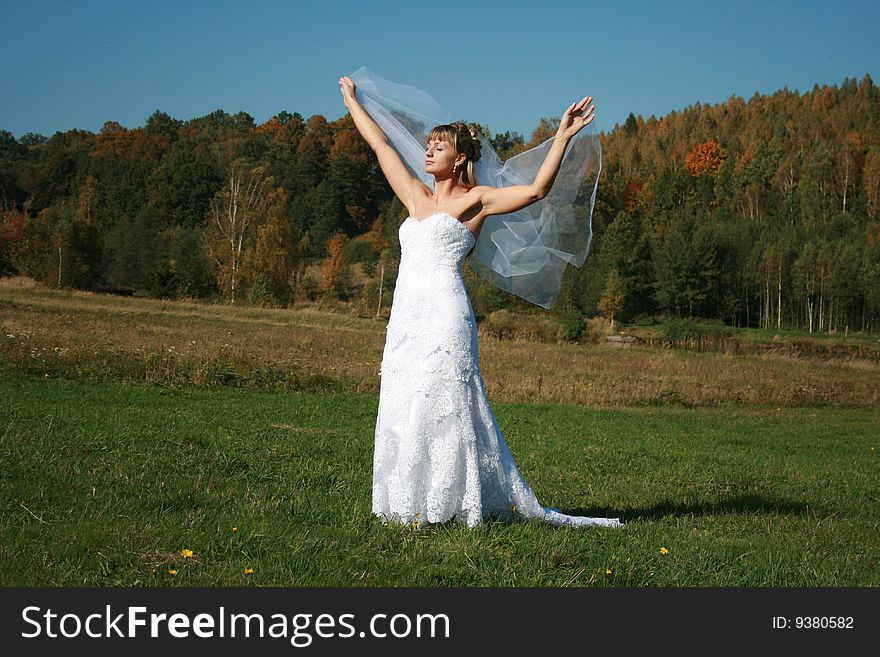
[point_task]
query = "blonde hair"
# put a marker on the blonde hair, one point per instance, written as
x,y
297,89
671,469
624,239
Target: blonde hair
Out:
x,y
464,139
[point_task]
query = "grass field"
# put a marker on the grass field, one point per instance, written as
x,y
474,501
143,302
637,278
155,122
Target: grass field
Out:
x,y
105,484
109,470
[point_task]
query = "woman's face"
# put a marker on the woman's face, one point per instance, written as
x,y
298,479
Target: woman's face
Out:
x,y
440,156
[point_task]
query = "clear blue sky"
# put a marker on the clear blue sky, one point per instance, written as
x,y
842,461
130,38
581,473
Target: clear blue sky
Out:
x,y
76,64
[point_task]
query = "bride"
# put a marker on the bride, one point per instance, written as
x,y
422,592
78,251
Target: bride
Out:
x,y
439,454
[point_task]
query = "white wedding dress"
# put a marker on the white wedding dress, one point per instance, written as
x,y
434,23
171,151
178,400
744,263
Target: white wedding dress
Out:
x,y
439,453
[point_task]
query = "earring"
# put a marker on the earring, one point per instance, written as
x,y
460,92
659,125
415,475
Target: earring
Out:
x,y
454,167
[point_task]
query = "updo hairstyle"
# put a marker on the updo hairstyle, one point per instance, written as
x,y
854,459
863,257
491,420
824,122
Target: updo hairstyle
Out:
x,y
465,139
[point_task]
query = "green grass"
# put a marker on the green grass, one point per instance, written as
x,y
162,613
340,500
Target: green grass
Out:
x,y
103,483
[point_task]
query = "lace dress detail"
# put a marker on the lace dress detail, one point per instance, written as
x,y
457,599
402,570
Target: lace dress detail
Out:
x,y
439,453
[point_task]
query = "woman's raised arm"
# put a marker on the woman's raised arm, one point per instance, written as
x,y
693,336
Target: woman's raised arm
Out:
x,y
398,176
502,200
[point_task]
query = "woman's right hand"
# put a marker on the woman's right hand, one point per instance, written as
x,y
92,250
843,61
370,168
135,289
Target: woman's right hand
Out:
x,y
346,86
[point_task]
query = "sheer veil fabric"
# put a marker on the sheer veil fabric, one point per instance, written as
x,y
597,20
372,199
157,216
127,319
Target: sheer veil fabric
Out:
x,y
524,252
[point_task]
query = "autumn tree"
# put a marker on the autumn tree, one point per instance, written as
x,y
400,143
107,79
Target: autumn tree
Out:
x,y
12,237
631,195
35,255
271,264
334,279
704,158
233,216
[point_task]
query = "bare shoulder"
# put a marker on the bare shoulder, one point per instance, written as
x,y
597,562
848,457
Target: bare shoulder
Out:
x,y
478,191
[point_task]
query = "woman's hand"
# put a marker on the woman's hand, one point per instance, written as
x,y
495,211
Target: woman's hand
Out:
x,y
576,117
346,86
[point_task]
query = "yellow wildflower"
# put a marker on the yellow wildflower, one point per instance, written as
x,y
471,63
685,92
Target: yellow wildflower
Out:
x,y
608,571
234,529
248,571
186,554
663,550
172,572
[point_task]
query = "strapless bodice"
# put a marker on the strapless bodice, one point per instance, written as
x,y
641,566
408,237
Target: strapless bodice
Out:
x,y
437,240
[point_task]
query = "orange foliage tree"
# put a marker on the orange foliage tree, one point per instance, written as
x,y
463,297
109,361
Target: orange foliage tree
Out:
x,y
12,236
704,158
631,195
333,269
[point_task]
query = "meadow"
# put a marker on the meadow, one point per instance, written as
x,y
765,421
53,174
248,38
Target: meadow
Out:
x,y
157,443
85,336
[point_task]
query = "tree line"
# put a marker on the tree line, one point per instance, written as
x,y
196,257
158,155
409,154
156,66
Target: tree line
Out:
x,y
762,212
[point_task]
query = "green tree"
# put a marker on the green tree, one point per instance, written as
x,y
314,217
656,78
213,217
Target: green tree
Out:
x,y
180,188
133,250
686,272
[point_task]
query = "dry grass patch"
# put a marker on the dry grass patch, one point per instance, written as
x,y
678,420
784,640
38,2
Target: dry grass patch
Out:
x,y
87,336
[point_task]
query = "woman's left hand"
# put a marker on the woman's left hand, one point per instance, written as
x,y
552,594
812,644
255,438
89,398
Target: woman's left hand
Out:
x,y
576,117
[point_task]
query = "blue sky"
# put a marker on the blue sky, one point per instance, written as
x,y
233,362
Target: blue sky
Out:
x,y
76,64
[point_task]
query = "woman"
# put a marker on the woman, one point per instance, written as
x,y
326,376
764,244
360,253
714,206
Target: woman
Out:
x,y
439,453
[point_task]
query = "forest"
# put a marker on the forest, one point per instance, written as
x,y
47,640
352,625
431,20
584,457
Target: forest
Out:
x,y
756,213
